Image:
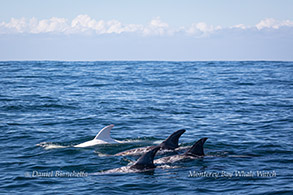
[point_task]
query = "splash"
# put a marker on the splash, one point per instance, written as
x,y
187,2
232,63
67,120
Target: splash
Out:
x,y
50,145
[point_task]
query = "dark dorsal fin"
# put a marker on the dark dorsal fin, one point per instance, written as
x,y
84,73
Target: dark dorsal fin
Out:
x,y
146,160
197,148
172,141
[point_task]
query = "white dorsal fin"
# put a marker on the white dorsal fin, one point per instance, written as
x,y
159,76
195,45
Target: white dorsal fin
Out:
x,y
104,134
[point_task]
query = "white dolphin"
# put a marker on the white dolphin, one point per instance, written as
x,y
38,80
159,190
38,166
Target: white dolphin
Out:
x,y
103,137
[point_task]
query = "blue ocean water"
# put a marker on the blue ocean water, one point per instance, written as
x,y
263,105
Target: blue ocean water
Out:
x,y
245,108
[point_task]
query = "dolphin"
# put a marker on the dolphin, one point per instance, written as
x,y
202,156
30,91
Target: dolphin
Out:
x,y
144,163
196,151
147,163
171,143
103,137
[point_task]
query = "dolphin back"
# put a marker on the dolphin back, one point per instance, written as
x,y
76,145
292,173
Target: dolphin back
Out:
x,y
172,141
147,159
197,148
104,134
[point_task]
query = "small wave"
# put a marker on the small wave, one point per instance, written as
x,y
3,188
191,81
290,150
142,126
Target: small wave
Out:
x,y
158,141
123,170
34,107
50,145
130,141
165,166
102,154
239,156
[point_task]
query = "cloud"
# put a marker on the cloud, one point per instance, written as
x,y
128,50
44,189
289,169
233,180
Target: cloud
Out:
x,y
80,24
240,26
54,24
117,27
14,26
156,27
201,29
22,25
84,24
273,23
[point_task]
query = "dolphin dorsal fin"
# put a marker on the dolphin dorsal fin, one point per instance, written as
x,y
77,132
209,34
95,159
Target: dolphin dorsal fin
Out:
x,y
172,141
147,159
104,134
197,148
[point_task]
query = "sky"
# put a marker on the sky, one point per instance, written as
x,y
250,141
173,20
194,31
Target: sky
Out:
x,y
146,30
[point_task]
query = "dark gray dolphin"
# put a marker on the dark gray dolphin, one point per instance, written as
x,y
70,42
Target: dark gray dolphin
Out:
x,y
196,151
146,161
170,143
197,148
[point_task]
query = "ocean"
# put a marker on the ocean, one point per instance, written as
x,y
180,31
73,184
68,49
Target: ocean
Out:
x,y
245,108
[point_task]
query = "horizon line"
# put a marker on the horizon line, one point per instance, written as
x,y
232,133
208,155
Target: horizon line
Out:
x,y
150,60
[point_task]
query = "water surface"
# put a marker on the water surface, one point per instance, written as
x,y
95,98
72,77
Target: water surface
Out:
x,y
244,108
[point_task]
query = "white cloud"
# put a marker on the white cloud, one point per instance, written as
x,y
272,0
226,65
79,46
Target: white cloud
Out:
x,y
240,26
84,24
133,28
33,25
156,27
57,25
14,25
273,23
202,29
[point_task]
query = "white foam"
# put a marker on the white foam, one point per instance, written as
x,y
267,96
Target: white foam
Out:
x,y
130,141
158,142
50,145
